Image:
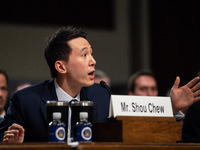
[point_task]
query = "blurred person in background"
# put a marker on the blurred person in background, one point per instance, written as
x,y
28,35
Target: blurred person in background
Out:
x,y
142,83
22,86
3,93
100,75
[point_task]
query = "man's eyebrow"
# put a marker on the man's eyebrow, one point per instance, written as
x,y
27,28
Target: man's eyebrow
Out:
x,y
84,48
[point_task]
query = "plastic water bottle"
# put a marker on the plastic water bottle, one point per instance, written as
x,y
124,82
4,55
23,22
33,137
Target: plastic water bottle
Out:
x,y
57,129
84,128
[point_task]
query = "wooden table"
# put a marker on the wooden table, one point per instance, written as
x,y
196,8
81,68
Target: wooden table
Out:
x,y
102,146
36,146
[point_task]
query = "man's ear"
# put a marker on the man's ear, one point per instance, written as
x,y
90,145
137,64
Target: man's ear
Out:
x,y
60,66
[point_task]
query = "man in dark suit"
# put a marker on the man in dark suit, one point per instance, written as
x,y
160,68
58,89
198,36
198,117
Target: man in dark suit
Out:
x,y
72,66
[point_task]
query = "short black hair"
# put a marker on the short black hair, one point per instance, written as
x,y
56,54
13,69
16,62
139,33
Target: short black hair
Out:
x,y
57,47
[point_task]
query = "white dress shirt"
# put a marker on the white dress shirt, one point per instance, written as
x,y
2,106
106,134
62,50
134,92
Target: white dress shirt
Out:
x,y
63,96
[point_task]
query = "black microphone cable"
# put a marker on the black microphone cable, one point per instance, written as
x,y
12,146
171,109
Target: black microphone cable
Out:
x,y
103,84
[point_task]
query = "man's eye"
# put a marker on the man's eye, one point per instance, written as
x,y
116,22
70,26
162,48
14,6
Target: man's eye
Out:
x,y
143,89
84,55
4,89
154,89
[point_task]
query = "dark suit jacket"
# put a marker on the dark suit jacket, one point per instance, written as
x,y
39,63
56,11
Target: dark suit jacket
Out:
x,y
191,125
28,108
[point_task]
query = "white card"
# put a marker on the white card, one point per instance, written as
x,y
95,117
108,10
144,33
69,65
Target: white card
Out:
x,y
128,105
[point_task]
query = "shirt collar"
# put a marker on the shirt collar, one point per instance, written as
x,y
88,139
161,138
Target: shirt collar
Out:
x,y
3,114
62,95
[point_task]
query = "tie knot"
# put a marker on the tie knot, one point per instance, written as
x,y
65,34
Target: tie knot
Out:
x,y
72,101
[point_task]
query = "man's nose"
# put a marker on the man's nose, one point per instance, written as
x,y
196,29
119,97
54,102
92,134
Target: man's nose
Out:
x,y
93,61
1,92
150,92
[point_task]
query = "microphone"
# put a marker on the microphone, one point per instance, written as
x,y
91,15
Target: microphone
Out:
x,y
103,84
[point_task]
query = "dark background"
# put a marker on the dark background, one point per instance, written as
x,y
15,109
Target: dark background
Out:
x,y
61,12
175,36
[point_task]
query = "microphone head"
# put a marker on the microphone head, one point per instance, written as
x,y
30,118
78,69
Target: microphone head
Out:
x,y
103,83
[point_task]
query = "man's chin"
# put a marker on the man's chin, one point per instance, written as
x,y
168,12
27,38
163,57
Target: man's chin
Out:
x,y
89,84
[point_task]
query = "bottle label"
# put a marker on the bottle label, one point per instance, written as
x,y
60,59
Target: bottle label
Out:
x,y
57,134
84,133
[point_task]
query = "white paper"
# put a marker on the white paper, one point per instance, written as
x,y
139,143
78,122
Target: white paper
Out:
x,y
127,105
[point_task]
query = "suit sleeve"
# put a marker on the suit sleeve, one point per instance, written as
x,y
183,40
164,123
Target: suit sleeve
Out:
x,y
191,125
13,115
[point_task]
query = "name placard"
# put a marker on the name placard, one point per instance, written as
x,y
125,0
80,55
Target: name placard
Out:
x,y
127,105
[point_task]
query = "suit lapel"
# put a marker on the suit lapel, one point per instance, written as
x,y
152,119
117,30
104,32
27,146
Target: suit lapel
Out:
x,y
49,94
